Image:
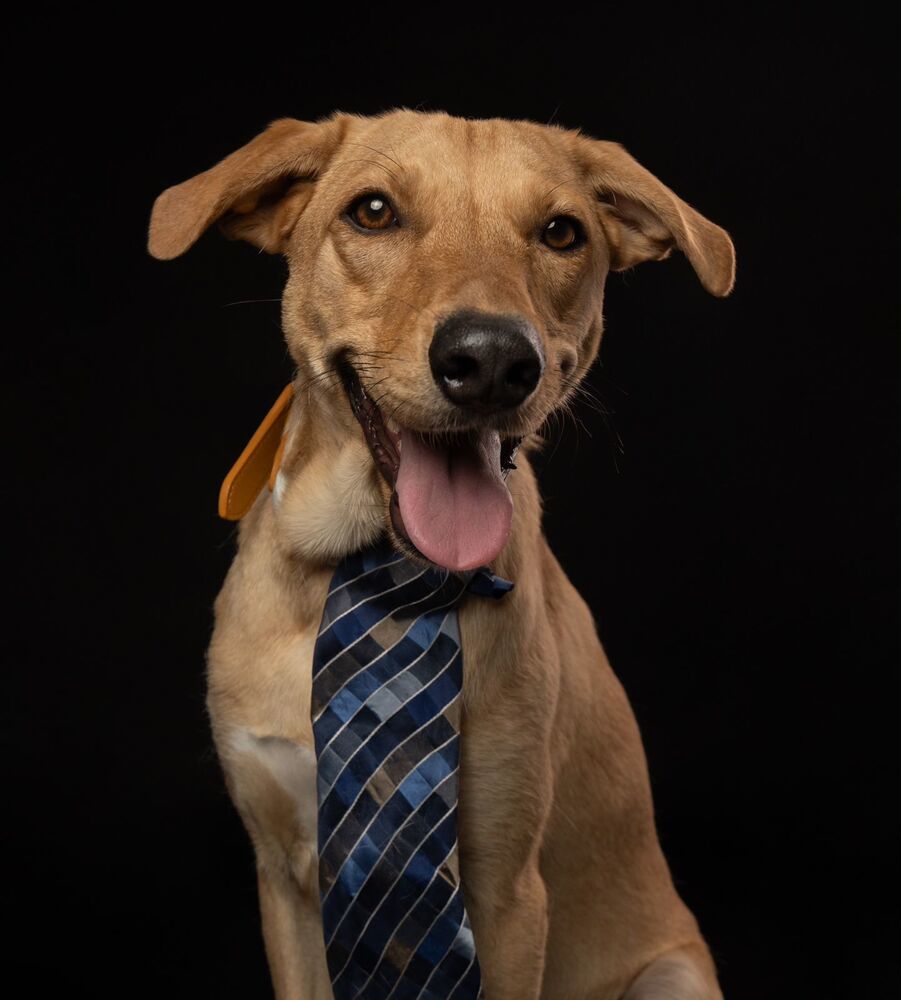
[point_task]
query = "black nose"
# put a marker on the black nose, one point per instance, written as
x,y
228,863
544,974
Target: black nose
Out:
x,y
486,362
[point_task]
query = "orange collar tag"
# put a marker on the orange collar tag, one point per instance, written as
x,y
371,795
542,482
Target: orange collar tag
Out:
x,y
258,463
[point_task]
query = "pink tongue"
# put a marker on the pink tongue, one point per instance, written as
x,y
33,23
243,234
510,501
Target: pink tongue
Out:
x,y
455,506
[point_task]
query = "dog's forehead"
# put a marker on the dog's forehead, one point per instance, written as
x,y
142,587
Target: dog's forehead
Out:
x,y
446,152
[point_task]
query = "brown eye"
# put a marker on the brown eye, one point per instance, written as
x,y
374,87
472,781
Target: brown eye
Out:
x,y
563,233
372,211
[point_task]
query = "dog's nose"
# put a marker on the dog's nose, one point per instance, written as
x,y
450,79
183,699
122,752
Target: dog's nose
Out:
x,y
486,362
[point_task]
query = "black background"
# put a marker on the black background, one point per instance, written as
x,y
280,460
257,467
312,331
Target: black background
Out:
x,y
740,553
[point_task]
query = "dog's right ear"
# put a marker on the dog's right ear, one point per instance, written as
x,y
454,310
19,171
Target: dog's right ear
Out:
x,y
257,193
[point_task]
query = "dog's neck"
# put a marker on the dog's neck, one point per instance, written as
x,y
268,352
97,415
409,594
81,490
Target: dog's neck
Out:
x,y
327,498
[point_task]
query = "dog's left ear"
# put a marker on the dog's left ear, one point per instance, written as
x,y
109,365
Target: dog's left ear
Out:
x,y
643,219
256,193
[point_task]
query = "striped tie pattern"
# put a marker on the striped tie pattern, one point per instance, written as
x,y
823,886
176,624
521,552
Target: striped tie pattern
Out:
x,y
387,676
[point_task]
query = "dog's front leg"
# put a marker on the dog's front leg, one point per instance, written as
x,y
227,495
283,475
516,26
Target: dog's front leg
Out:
x,y
272,783
291,933
509,919
505,794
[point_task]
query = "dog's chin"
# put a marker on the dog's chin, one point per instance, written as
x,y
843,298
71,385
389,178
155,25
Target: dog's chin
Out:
x,y
449,503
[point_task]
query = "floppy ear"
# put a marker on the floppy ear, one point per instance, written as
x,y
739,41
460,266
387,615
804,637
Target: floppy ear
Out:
x,y
643,219
257,192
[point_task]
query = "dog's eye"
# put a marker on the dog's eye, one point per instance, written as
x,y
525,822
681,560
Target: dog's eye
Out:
x,y
563,233
372,211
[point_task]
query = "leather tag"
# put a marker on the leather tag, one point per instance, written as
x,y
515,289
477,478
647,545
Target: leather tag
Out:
x,y
258,463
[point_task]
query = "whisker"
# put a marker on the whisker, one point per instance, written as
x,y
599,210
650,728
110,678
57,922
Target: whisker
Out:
x,y
381,355
248,302
369,386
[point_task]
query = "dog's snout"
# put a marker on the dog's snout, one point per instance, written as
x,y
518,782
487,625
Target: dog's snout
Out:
x,y
486,362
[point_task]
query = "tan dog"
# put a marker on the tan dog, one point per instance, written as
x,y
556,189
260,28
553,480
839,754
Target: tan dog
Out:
x,y
453,271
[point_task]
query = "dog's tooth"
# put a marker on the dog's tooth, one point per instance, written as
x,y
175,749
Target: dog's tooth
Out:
x,y
391,425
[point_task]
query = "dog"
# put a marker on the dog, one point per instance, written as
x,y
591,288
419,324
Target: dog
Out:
x,y
448,272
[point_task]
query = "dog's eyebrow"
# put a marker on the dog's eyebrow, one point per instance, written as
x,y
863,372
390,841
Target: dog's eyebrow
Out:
x,y
387,157
564,181
375,163
380,153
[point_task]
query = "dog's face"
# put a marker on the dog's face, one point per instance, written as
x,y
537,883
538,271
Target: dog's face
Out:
x,y
449,273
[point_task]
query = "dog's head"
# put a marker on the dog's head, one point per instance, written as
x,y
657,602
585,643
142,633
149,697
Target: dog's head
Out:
x,y
449,272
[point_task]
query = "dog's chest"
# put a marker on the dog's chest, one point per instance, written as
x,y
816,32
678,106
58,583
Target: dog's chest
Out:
x,y
270,746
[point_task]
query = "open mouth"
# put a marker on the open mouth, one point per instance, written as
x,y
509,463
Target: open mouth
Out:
x,y
449,498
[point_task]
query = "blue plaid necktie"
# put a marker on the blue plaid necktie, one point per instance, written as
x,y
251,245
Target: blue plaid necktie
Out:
x,y
387,675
